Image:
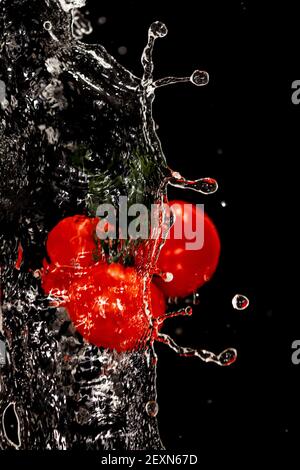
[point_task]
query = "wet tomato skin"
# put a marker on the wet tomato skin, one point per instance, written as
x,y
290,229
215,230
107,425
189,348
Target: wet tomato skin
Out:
x,y
190,268
106,302
107,307
73,241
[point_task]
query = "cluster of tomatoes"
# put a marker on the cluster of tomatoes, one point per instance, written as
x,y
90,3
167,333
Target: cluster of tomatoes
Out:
x,y
109,304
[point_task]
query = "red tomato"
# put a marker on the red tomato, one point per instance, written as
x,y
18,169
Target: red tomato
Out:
x,y
105,302
73,241
107,307
56,280
190,268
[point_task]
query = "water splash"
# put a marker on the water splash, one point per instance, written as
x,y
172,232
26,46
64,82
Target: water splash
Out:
x,y
77,395
225,358
203,185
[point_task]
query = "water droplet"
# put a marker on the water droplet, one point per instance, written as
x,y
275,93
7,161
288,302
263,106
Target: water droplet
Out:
x,y
102,20
47,25
152,408
203,185
188,310
227,357
122,50
206,185
158,29
223,203
240,302
199,78
167,277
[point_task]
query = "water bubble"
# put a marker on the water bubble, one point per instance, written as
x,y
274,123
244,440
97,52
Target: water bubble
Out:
x,y
199,78
152,408
158,29
227,357
167,277
47,25
80,25
240,302
223,203
188,310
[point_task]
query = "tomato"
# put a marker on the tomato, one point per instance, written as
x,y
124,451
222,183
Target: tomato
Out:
x,y
190,268
56,280
73,242
107,307
104,301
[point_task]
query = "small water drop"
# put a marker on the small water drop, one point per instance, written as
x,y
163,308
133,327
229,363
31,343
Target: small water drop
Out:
x,y
227,357
199,78
47,25
122,50
152,408
167,277
240,302
223,203
188,310
102,20
206,185
158,29
203,185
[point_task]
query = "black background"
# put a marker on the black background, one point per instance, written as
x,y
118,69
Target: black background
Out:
x,y
227,130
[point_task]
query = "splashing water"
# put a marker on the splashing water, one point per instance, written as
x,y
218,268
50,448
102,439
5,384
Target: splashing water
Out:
x,y
77,395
